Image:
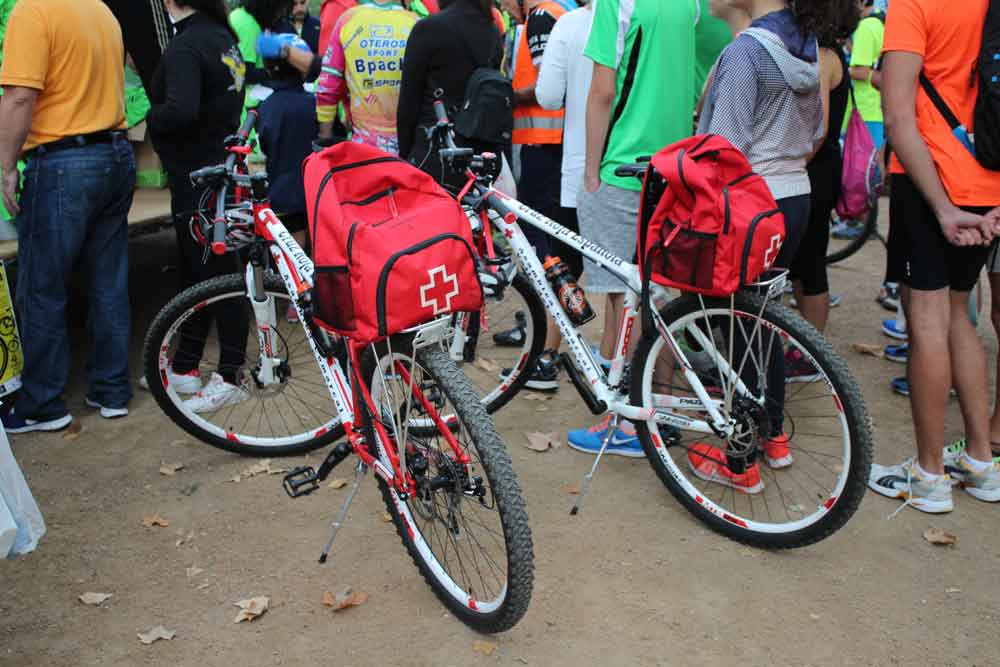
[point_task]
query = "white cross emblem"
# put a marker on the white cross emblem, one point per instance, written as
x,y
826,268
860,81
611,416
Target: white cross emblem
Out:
x,y
437,290
772,252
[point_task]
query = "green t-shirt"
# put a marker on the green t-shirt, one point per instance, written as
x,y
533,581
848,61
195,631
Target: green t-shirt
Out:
x,y
711,36
247,30
654,100
865,51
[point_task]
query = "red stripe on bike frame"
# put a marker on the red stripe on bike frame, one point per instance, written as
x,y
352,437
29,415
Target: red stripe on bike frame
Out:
x,y
262,217
488,236
462,457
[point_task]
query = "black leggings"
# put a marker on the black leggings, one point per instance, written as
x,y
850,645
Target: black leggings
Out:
x,y
230,317
809,264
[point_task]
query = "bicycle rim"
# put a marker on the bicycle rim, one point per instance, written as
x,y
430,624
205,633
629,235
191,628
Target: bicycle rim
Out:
x,y
767,500
290,415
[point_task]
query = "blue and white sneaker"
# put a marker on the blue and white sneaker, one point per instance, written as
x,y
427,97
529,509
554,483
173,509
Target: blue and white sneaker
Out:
x,y
15,423
898,353
624,441
892,329
847,230
900,386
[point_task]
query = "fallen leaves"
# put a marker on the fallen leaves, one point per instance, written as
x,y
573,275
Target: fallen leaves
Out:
x,y
73,432
386,517
251,608
486,365
543,442
159,632
484,647
260,468
940,537
170,469
338,483
344,598
94,598
155,520
870,350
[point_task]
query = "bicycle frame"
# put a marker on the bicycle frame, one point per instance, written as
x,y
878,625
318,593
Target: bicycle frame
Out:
x,y
297,273
608,388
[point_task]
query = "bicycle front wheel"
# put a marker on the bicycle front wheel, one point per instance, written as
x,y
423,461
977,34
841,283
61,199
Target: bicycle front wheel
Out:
x,y
216,395
793,468
466,526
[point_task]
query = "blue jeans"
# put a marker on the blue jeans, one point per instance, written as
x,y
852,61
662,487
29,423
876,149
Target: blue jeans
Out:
x,y
74,211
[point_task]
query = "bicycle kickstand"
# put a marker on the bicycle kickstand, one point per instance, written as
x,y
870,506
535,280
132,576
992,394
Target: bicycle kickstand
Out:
x,y
585,485
342,514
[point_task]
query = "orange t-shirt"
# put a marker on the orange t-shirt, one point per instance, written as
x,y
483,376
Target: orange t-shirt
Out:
x,y
72,52
948,36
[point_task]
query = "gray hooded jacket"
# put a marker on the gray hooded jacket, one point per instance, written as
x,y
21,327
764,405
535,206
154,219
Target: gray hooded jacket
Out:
x,y
765,99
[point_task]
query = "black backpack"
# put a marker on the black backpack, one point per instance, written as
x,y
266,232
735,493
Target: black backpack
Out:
x,y
487,110
985,143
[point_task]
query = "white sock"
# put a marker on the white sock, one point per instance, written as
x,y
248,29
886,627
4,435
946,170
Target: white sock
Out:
x,y
900,317
927,476
976,465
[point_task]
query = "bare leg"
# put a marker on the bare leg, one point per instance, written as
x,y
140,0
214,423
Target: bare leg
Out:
x,y
613,309
995,316
815,309
968,362
553,337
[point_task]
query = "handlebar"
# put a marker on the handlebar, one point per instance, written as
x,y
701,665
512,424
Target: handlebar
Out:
x,y
225,174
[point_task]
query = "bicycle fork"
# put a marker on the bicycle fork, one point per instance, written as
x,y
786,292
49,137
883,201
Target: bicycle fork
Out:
x,y
267,322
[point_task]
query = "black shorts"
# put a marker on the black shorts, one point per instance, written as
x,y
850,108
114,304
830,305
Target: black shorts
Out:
x,y
931,262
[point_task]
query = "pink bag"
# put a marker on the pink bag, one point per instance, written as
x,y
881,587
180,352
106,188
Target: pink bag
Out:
x,y
859,178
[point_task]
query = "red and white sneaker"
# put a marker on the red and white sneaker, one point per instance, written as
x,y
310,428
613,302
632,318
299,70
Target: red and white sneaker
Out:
x,y
777,453
215,395
709,463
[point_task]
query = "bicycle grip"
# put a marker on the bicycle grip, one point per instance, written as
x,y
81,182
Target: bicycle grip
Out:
x,y
249,123
219,236
442,115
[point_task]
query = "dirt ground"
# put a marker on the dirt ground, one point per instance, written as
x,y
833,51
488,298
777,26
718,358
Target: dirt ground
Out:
x,y
633,580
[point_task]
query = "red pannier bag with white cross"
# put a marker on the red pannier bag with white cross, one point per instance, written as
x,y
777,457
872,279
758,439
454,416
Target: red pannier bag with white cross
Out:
x,y
392,248
707,223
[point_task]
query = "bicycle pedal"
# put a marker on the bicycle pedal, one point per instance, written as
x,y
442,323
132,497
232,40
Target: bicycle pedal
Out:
x,y
300,482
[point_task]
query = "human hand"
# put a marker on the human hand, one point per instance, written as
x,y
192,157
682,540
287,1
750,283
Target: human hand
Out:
x,y
962,228
993,217
11,185
271,45
591,182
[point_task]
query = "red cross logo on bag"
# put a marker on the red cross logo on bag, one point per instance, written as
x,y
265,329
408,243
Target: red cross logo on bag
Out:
x,y
772,252
433,292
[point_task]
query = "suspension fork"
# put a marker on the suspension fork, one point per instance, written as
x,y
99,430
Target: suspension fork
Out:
x,y
266,319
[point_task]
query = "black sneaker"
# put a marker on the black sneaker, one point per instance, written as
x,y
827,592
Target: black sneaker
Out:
x,y
513,337
544,376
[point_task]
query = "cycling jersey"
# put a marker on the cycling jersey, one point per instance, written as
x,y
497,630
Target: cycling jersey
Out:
x,y
364,64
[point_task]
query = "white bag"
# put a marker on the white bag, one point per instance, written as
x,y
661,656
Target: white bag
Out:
x,y
16,499
505,182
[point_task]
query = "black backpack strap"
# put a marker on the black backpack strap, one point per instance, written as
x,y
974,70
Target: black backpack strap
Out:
x,y
939,102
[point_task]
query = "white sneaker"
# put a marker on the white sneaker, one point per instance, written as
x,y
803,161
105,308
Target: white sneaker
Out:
x,y
983,486
905,482
215,395
107,413
188,383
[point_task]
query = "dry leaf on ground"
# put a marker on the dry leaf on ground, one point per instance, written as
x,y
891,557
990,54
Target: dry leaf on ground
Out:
x,y
486,365
263,467
533,396
940,537
94,598
328,599
155,520
386,517
159,632
542,442
484,647
73,432
572,489
871,350
170,469
346,597
251,608
194,571
338,483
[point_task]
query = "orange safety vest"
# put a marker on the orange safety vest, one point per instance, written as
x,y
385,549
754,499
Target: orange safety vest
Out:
x,y
532,123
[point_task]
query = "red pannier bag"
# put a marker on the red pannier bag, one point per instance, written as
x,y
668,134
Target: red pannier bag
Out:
x,y
392,248
707,223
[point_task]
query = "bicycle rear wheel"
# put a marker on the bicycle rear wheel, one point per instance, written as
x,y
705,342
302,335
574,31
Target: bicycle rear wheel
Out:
x,y
785,493
841,249
466,528
291,417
